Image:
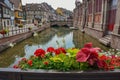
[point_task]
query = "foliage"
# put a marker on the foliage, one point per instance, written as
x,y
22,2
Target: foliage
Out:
x,y
20,25
87,58
4,31
30,28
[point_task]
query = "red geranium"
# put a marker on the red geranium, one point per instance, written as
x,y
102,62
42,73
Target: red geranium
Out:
x,y
15,66
57,51
46,62
103,57
3,32
39,53
24,59
62,50
30,62
50,49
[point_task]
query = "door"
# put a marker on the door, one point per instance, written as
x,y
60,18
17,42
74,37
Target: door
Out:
x,y
112,15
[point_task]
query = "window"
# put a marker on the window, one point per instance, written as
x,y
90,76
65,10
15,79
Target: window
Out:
x,y
114,4
90,7
7,22
4,24
4,11
98,5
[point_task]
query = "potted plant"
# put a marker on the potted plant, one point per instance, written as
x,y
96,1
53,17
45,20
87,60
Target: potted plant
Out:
x,y
4,31
20,25
30,28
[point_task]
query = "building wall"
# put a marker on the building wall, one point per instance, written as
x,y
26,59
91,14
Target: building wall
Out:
x,y
100,18
115,41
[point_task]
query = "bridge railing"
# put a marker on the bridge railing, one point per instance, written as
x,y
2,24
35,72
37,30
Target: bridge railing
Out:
x,y
62,23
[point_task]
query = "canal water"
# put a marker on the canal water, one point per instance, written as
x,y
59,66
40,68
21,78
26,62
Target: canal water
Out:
x,y
54,37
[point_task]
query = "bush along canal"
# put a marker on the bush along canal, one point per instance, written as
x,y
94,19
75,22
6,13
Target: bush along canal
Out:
x,y
60,52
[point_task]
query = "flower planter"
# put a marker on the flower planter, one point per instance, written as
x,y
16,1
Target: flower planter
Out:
x,y
71,64
12,74
20,25
4,32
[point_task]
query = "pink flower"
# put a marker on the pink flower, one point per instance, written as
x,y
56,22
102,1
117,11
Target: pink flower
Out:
x,y
88,54
83,55
102,64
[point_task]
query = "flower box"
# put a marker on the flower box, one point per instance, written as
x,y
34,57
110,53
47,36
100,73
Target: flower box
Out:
x,y
20,25
87,63
2,32
17,74
87,58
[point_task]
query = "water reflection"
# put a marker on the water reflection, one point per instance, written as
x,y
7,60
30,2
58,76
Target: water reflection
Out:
x,y
45,39
81,38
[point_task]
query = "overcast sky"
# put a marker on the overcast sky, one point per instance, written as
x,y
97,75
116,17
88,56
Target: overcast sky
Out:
x,y
68,4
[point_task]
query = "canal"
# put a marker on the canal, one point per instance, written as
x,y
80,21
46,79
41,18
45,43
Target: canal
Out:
x,y
55,37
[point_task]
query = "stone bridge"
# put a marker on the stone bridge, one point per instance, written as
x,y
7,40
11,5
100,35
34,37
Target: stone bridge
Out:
x,y
62,23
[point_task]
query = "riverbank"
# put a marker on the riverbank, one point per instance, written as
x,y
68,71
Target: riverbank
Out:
x,y
7,41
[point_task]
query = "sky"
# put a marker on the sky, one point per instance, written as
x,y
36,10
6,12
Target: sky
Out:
x,y
68,4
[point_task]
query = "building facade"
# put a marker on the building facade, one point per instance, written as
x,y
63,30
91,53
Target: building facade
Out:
x,y
35,13
6,15
99,18
18,12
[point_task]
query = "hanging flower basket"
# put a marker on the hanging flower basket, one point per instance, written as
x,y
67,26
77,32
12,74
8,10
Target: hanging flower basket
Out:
x,y
87,58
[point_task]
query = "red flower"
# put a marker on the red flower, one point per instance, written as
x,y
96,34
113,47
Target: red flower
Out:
x,y
30,62
102,64
50,49
39,53
42,56
57,51
3,32
83,55
46,63
24,59
62,50
103,57
88,45
15,66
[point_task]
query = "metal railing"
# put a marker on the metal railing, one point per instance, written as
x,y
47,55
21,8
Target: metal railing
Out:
x,y
16,30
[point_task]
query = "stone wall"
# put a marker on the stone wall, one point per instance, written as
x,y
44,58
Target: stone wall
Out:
x,y
93,32
115,41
